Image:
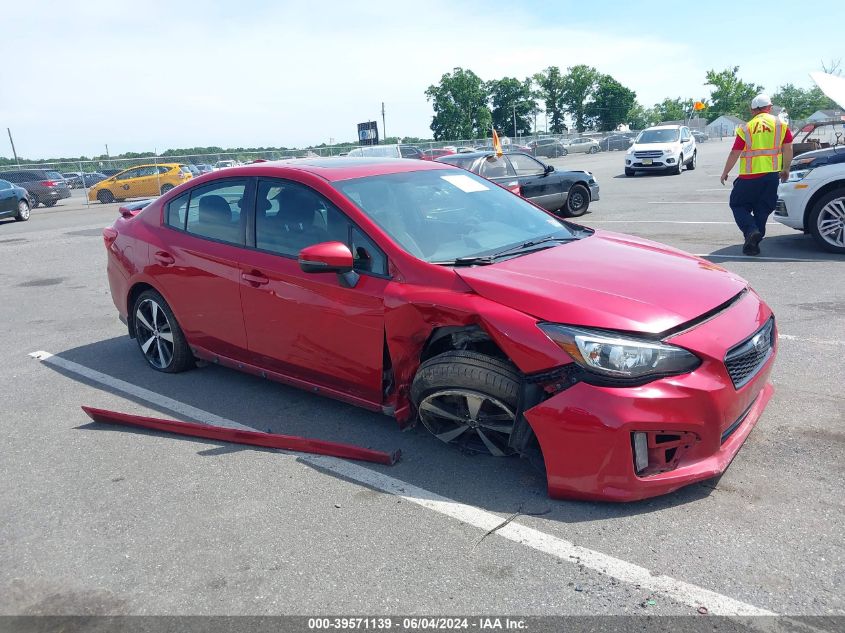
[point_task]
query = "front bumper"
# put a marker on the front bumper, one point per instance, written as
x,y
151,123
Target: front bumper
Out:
x,y
660,163
792,198
585,431
594,192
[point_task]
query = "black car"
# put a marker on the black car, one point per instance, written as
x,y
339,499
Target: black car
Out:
x,y
44,186
108,173
14,202
614,142
700,137
73,179
548,147
566,193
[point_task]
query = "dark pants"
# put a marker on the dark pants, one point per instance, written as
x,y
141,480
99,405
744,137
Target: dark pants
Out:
x,y
753,200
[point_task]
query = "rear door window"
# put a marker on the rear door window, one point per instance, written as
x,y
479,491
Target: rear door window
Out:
x,y
214,211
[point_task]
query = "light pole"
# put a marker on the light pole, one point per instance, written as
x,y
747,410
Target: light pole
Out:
x,y
514,120
13,146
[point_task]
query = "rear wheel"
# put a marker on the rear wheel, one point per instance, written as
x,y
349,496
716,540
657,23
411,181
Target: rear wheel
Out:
x,y
827,221
691,164
166,188
468,399
50,203
34,199
158,334
105,196
577,201
23,211
564,152
594,149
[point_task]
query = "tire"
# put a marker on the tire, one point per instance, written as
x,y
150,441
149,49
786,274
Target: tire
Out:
x,y
156,329
564,152
468,399
629,172
827,221
23,211
577,202
677,169
691,165
594,150
165,188
50,203
33,198
105,196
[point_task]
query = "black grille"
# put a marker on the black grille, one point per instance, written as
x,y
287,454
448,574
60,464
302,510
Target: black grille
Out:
x,y
654,164
745,360
649,154
780,208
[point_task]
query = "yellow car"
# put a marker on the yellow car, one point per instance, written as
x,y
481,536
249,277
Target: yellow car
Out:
x,y
140,182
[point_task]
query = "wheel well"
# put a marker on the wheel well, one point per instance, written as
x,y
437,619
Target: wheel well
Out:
x,y
454,338
136,290
831,186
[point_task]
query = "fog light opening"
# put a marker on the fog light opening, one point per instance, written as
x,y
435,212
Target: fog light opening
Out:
x,y
640,452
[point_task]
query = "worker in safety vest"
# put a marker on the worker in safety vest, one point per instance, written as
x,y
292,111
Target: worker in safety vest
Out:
x,y
763,147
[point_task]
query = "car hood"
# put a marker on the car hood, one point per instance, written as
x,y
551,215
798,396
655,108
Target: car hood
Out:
x,y
651,147
609,281
820,157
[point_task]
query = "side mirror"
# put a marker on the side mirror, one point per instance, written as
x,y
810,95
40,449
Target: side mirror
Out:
x,y
329,257
550,168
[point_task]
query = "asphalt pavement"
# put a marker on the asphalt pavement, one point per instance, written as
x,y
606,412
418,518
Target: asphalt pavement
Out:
x,y
100,520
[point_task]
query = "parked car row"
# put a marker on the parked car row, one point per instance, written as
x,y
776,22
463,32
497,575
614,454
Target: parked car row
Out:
x,y
43,186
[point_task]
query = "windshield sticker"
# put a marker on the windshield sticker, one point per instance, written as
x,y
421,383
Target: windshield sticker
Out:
x,y
465,183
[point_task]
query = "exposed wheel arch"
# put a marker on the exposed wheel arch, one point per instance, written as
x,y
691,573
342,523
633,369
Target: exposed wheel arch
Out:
x,y
134,292
811,203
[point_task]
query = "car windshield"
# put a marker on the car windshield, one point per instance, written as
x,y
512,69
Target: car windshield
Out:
x,y
443,215
658,136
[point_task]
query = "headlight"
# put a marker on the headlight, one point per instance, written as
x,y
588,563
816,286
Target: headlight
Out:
x,y
619,356
800,174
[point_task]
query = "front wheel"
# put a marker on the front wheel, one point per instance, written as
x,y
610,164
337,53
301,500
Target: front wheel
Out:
x,y
23,211
594,150
158,334
577,201
676,170
827,221
468,399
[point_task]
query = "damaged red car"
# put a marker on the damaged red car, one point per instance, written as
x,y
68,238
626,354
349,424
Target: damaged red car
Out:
x,y
626,368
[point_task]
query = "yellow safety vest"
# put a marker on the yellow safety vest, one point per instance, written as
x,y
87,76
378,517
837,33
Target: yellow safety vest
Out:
x,y
763,136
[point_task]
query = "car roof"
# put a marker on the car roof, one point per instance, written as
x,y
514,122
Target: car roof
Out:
x,y
665,127
338,168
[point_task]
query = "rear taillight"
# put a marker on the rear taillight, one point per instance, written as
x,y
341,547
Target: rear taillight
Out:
x,y
49,183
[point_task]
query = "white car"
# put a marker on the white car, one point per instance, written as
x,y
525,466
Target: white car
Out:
x,y
813,199
662,148
225,164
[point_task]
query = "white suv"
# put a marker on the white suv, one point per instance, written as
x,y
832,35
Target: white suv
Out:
x,y
663,148
813,199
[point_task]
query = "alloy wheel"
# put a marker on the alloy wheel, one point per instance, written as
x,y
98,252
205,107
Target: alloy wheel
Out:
x,y
831,222
475,421
23,210
154,333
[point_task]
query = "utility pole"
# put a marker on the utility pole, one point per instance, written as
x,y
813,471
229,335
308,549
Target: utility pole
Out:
x,y
383,124
107,151
13,147
514,120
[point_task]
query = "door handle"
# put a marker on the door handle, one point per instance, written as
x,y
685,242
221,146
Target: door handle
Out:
x,y
165,259
255,279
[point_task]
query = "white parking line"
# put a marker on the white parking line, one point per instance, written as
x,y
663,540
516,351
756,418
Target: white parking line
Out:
x,y
678,590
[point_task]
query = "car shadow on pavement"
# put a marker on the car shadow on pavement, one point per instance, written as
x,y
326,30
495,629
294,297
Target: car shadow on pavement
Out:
x,y
777,248
504,485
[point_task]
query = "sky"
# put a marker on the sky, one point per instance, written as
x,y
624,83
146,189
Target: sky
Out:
x,y
269,74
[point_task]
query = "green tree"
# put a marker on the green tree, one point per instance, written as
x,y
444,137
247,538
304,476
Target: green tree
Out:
x,y
800,103
672,109
610,105
639,118
460,106
550,90
730,95
511,98
579,85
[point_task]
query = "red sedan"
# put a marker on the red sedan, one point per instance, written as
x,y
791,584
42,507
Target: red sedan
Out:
x,y
433,154
626,368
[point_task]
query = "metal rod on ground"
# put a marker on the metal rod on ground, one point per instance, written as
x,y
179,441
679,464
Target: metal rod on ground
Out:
x,y
13,147
238,436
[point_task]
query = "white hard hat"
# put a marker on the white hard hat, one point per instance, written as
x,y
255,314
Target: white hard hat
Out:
x,y
761,101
